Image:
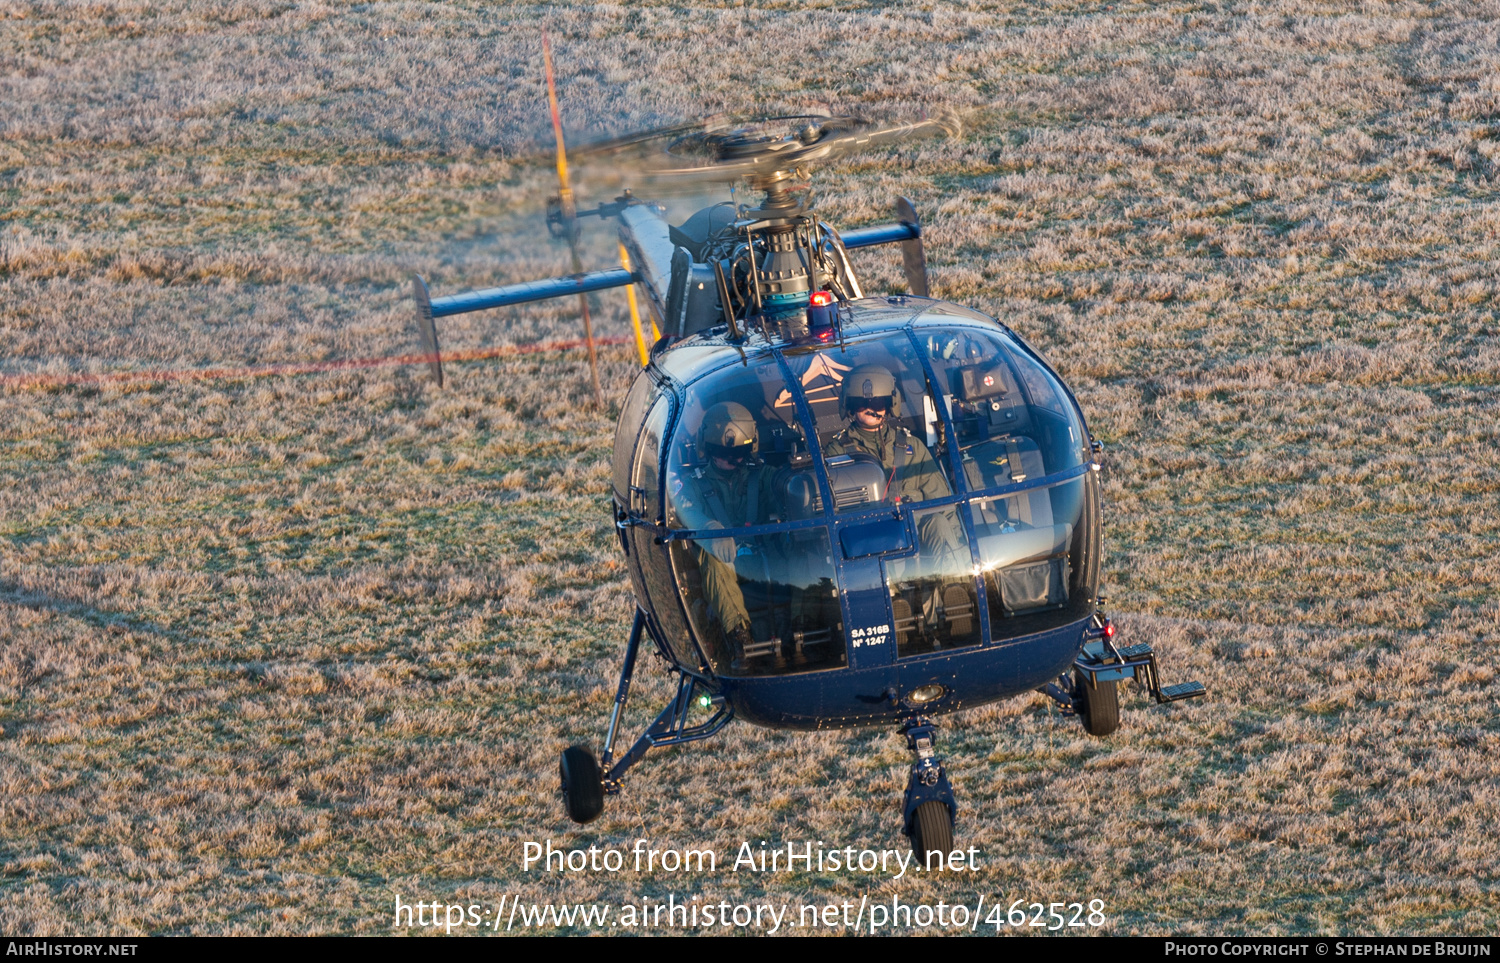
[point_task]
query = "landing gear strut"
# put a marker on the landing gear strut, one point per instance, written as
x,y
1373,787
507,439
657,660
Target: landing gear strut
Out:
x,y
585,782
1093,693
929,809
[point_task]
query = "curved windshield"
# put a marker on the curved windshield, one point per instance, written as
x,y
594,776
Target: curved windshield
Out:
x,y
1037,556
890,445
877,422
761,605
1011,419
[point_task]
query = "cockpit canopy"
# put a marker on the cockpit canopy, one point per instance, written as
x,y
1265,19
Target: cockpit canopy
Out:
x,y
941,447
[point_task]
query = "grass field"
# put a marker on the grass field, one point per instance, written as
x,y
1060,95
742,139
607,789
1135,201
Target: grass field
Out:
x,y
275,651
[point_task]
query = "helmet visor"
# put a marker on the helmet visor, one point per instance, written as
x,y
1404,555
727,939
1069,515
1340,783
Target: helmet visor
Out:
x,y
734,454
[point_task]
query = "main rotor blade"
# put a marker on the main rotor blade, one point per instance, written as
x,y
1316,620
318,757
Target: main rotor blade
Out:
x,y
562,157
838,138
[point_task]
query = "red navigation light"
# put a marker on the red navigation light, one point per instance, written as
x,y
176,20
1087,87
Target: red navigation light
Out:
x,y
822,315
1109,630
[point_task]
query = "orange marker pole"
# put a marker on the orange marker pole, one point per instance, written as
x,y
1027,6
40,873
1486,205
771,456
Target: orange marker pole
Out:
x,y
565,195
562,159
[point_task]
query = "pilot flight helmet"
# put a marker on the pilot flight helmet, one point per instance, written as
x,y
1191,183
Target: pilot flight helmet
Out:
x,y
868,381
729,432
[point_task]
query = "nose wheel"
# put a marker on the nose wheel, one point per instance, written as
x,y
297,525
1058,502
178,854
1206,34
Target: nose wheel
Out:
x,y
932,834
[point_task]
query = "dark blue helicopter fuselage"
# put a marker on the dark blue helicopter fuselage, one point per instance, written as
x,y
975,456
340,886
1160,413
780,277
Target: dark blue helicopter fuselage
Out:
x,y
846,698
856,621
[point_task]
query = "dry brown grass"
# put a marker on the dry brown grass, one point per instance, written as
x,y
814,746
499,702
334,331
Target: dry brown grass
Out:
x,y
273,651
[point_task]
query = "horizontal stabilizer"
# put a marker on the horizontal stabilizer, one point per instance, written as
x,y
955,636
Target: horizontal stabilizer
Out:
x,y
526,291
880,234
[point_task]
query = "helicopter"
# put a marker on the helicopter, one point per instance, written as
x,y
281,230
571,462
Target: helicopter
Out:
x,y
843,594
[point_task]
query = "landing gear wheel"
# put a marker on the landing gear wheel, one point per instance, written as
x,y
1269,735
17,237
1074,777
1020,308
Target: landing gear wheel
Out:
x,y
932,833
1099,708
582,784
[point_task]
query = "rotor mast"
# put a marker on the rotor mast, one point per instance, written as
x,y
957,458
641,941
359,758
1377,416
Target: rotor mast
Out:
x,y
771,265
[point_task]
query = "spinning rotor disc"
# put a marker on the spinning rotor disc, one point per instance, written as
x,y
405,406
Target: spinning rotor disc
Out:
x,y
763,149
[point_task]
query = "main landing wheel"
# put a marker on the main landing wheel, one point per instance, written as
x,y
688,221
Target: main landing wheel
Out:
x,y
932,834
582,784
1099,708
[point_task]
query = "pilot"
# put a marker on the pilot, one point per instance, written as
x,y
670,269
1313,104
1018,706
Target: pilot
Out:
x,y
870,403
730,489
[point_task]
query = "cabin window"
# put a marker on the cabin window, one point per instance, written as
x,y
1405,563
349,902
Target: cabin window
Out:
x,y
650,569
1013,427
731,449
934,604
641,394
1034,559
1010,420
878,426
763,606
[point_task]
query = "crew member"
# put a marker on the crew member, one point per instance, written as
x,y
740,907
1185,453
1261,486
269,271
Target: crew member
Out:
x,y
731,488
869,401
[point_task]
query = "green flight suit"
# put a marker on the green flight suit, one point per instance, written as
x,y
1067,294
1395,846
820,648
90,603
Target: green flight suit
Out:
x,y
917,478
711,498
